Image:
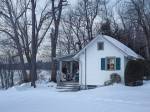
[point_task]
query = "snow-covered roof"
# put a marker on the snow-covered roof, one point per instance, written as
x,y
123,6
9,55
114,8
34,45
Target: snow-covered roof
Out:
x,y
123,48
68,57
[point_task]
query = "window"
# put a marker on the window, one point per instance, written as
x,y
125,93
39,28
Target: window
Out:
x,y
110,63
100,46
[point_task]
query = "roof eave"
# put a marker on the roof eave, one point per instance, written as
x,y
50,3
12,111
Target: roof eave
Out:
x,y
134,58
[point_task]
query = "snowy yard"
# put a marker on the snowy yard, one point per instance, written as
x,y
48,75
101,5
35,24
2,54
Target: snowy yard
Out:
x,y
116,98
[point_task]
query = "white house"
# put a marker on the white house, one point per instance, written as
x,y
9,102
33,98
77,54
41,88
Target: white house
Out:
x,y
100,58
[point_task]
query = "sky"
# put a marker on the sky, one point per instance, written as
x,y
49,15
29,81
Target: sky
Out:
x,y
73,1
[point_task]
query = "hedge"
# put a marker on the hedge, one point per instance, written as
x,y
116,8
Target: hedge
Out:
x,y
134,73
147,69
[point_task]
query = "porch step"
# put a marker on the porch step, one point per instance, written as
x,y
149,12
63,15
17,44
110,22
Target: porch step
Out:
x,y
69,86
70,83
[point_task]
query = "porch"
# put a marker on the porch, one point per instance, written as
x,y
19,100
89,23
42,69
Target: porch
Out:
x,y
67,74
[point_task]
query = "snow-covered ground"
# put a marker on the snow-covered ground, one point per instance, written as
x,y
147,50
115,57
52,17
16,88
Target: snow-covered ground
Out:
x,y
45,98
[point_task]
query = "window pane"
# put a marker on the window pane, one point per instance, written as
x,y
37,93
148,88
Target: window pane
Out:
x,y
111,63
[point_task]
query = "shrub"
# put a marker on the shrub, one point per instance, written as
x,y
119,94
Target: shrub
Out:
x,y
134,73
147,69
115,78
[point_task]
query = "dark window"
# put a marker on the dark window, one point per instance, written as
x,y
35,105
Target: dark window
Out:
x,y
100,46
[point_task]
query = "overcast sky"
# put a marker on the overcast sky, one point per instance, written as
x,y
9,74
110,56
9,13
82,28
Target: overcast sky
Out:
x,y
73,1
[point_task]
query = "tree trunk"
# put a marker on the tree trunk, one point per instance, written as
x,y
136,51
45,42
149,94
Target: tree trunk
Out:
x,y
147,34
12,78
53,55
54,36
34,40
2,79
23,68
29,64
147,49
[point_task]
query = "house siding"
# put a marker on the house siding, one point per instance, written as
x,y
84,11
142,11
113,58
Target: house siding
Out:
x,y
94,75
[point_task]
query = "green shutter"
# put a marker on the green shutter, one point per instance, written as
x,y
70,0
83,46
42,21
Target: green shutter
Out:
x,y
118,63
102,63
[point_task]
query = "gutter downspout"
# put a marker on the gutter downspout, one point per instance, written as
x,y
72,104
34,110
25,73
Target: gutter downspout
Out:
x,y
85,70
81,73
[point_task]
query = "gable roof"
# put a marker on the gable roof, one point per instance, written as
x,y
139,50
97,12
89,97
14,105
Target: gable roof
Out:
x,y
120,46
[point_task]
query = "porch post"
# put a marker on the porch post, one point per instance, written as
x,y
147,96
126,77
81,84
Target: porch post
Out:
x,y
59,73
60,70
71,67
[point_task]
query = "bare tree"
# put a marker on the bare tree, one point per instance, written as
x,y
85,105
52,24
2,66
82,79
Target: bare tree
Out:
x,y
21,23
36,37
6,72
138,16
10,17
142,9
74,29
33,49
56,9
89,10
42,23
79,23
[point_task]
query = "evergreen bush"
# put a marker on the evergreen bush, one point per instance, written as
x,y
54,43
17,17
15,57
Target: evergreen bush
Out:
x,y
134,73
147,69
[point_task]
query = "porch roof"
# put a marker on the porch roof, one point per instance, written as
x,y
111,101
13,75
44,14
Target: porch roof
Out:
x,y
68,57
